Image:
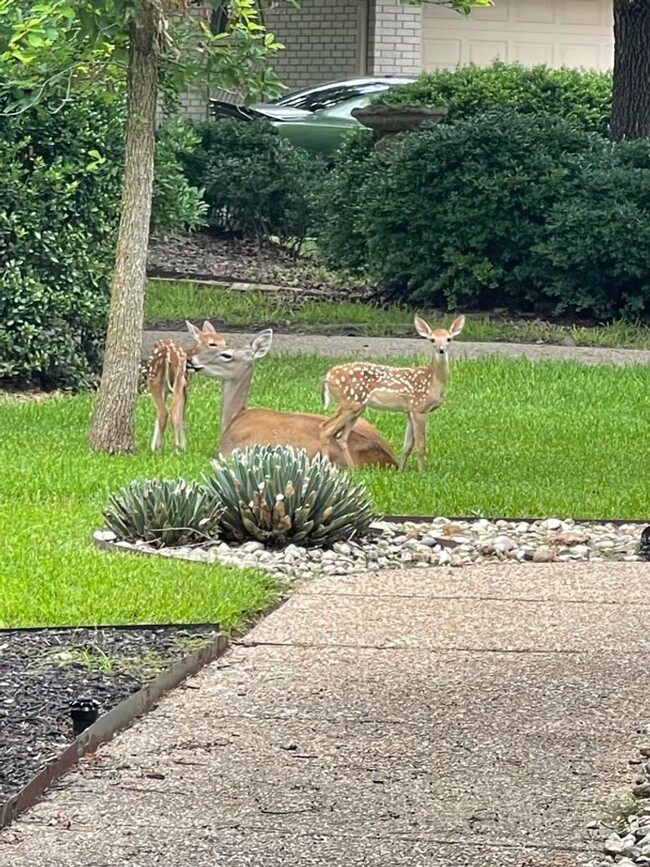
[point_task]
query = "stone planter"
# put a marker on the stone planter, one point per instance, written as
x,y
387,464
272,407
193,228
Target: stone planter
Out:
x,y
388,120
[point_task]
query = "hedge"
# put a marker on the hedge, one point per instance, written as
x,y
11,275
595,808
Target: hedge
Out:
x,y
60,180
583,97
502,209
60,191
255,182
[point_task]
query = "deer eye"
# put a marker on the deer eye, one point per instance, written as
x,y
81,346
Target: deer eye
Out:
x,y
213,343
226,356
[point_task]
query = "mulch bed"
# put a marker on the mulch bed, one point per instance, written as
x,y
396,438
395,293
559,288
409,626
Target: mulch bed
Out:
x,y
202,256
43,671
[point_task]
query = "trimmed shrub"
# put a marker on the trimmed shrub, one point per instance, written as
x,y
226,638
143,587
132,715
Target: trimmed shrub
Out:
x,y
256,183
176,205
502,209
60,179
577,95
450,215
340,239
595,254
60,192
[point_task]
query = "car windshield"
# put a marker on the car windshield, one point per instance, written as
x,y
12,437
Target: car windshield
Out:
x,y
326,97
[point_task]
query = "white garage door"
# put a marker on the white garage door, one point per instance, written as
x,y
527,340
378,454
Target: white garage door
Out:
x,y
555,32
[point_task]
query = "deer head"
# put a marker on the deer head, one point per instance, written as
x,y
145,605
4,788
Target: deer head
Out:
x,y
229,364
440,338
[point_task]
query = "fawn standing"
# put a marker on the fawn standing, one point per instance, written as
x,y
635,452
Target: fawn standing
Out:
x,y
414,390
167,374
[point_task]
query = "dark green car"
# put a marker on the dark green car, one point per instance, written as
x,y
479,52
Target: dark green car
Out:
x,y
315,118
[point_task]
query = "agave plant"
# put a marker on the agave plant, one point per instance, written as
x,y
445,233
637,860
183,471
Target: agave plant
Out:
x,y
163,512
277,495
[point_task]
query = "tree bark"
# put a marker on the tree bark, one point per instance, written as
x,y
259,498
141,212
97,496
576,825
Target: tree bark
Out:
x,y
113,424
631,95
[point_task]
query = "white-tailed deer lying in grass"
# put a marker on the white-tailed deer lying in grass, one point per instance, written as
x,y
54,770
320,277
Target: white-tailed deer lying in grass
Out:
x,y
414,390
242,427
167,374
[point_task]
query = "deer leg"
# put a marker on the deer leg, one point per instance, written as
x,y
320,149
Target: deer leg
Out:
x,y
339,426
156,388
420,431
409,440
178,412
343,439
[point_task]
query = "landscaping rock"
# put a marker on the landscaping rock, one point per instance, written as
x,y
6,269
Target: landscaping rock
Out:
x,y
631,848
439,542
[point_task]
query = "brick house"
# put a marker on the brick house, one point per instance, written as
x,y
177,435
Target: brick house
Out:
x,y
330,39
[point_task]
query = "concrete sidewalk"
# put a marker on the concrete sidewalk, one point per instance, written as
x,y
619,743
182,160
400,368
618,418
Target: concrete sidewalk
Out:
x,y
399,347
480,717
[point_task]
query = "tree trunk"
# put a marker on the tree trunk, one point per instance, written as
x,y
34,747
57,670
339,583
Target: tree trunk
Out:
x,y
113,424
631,96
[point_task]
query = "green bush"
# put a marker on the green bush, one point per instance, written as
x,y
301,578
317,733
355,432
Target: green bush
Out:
x,y
340,239
502,209
450,215
60,191
595,253
256,183
60,178
276,495
164,513
176,205
574,94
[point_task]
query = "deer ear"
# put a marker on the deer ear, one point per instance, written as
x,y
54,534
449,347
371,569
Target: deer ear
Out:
x,y
422,328
457,326
218,339
262,343
194,331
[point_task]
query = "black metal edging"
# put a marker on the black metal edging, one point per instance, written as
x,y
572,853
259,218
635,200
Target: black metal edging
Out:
x,y
106,627
109,724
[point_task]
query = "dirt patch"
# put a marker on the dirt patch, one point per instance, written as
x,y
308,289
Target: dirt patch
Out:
x,y
206,257
43,671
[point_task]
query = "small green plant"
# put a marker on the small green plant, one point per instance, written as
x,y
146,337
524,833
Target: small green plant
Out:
x,y
276,495
623,807
163,512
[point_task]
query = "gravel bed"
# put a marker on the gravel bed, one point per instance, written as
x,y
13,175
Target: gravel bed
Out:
x,y
629,845
43,671
409,545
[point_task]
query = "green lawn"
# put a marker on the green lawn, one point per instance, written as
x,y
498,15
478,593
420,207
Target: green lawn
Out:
x,y
169,301
514,438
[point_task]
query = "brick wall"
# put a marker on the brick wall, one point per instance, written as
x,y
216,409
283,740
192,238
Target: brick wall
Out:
x,y
321,39
394,38
327,40
195,103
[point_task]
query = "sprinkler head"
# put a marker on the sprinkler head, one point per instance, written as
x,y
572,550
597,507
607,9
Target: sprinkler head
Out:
x,y
83,712
644,544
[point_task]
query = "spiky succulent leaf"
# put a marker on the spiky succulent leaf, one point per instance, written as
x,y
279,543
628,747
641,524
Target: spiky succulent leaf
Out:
x,y
164,513
277,495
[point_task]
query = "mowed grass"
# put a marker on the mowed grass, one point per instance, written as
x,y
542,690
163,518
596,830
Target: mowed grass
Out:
x,y
514,438
52,490
169,301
